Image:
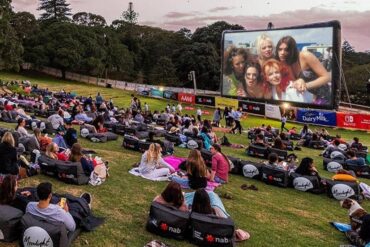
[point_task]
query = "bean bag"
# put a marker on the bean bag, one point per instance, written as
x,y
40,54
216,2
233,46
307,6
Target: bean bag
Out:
x,y
296,137
326,161
275,176
130,142
211,230
305,183
257,151
236,163
167,221
282,154
207,157
251,169
9,223
341,190
38,230
360,171
173,138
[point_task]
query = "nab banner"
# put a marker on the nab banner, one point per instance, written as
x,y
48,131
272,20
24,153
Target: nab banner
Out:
x,y
254,108
353,120
317,117
156,93
205,100
186,98
169,95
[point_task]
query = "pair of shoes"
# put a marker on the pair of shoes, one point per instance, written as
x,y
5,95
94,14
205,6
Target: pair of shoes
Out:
x,y
94,139
226,196
246,187
88,198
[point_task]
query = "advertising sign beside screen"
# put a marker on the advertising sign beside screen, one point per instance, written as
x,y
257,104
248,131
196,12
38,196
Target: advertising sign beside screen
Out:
x,y
317,117
205,100
299,65
251,107
353,120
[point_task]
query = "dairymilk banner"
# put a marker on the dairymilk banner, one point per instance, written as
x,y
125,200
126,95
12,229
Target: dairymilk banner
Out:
x,y
317,117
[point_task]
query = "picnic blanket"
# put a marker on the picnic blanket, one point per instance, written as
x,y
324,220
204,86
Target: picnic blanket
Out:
x,y
175,163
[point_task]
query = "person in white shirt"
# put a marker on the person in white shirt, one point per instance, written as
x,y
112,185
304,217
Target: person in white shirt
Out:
x,y
236,116
199,115
146,108
57,120
179,108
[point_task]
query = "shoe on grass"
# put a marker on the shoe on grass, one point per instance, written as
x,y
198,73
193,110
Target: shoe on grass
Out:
x,y
88,198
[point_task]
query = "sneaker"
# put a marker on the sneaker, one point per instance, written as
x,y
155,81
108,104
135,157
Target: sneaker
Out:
x,y
94,139
88,198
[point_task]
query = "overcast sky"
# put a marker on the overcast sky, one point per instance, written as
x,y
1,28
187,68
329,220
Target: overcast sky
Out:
x,y
354,15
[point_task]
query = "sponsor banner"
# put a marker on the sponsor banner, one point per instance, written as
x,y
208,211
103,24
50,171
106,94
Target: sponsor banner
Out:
x,y
272,111
156,93
250,107
186,98
353,120
189,108
169,95
226,102
205,100
317,117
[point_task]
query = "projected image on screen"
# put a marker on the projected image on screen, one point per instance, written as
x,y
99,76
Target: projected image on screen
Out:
x,y
291,65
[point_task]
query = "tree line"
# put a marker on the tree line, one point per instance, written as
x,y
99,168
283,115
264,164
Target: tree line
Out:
x,y
84,43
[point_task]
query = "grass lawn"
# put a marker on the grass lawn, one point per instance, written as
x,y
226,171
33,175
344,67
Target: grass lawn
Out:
x,y
273,216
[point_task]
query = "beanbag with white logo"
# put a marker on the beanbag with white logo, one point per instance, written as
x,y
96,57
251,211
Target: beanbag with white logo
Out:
x,y
334,166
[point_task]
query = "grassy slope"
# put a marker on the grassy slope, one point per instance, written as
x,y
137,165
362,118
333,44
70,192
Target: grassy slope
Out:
x,y
274,216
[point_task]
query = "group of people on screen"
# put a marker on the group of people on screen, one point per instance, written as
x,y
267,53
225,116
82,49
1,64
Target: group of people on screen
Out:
x,y
280,72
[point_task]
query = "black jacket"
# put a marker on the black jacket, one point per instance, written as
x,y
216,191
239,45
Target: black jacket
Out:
x,y
8,158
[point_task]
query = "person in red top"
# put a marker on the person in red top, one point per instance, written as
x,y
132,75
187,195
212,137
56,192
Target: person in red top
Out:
x,y
220,165
7,106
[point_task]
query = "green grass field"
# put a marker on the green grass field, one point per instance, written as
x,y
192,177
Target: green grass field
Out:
x,y
273,216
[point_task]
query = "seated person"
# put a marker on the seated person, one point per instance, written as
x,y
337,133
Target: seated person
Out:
x,y
172,196
152,165
307,168
57,120
52,151
77,156
70,137
273,161
356,144
8,155
207,140
139,118
283,136
259,141
293,130
340,139
278,144
81,116
315,140
48,211
43,141
204,202
98,123
220,165
9,195
354,160
20,128
331,148
196,169
305,131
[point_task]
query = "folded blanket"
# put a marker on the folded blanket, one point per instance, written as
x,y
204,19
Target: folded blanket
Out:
x,y
135,172
341,226
174,161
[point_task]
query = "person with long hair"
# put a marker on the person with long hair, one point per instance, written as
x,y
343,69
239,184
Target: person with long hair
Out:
x,y
196,172
8,155
9,195
172,196
234,66
220,165
20,128
152,165
307,168
253,86
77,156
204,202
305,69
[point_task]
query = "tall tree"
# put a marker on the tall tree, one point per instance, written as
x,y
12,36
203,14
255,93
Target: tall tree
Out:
x,y
25,24
163,72
10,47
130,15
89,19
347,47
55,10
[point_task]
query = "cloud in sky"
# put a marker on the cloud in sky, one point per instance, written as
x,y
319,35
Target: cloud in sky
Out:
x,y
354,23
252,14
